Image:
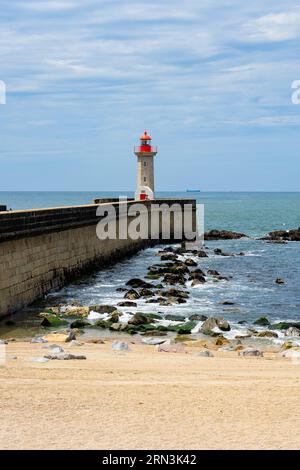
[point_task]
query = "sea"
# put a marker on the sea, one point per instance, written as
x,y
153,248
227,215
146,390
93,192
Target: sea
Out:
x,y
251,287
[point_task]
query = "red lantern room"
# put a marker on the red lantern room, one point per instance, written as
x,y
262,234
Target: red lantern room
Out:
x,y
145,142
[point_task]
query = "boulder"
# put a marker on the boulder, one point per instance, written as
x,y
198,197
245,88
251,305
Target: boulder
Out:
x,y
65,356
126,303
211,323
251,352
184,328
292,235
153,341
77,312
132,295
262,321
115,316
139,319
197,282
80,324
190,262
175,317
102,308
213,272
285,325
53,321
279,281
138,283
145,292
197,317
169,257
223,235
174,279
175,293
218,251
267,334
292,331
202,254
226,302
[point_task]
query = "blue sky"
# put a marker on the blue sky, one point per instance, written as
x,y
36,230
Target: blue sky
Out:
x,y
210,80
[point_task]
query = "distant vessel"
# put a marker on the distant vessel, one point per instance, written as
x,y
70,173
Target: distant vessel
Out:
x,y
193,190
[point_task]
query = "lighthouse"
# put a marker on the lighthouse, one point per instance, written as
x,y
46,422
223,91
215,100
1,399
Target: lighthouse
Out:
x,y
145,153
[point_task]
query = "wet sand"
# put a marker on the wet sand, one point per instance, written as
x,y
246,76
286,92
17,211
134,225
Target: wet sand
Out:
x,y
145,399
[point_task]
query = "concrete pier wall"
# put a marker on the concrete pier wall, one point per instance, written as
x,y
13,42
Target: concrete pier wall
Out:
x,y
44,249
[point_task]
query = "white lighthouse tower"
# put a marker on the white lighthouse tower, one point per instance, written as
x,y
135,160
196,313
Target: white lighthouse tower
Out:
x,y
145,153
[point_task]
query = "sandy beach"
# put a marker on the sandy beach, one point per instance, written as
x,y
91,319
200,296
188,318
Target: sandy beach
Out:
x,y
145,399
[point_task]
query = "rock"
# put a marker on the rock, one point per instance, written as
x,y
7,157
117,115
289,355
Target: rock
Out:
x,y
205,353
168,346
169,257
190,262
292,331
154,333
197,277
39,359
267,334
38,340
175,317
138,283
96,341
64,356
223,235
76,343
80,324
202,254
284,235
279,281
213,272
53,321
145,292
77,312
211,323
221,341
153,341
197,317
127,303
70,337
197,282
56,337
102,308
115,316
251,352
118,326
13,358
285,325
102,324
121,289
173,279
184,328
139,319
132,295
175,293
291,353
56,349
262,321
120,346
218,251
226,302
3,342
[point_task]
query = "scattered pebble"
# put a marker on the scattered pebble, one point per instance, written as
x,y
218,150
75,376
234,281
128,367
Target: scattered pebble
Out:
x,y
205,353
251,352
120,346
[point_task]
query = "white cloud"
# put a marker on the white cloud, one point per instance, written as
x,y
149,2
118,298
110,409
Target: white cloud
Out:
x,y
274,27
